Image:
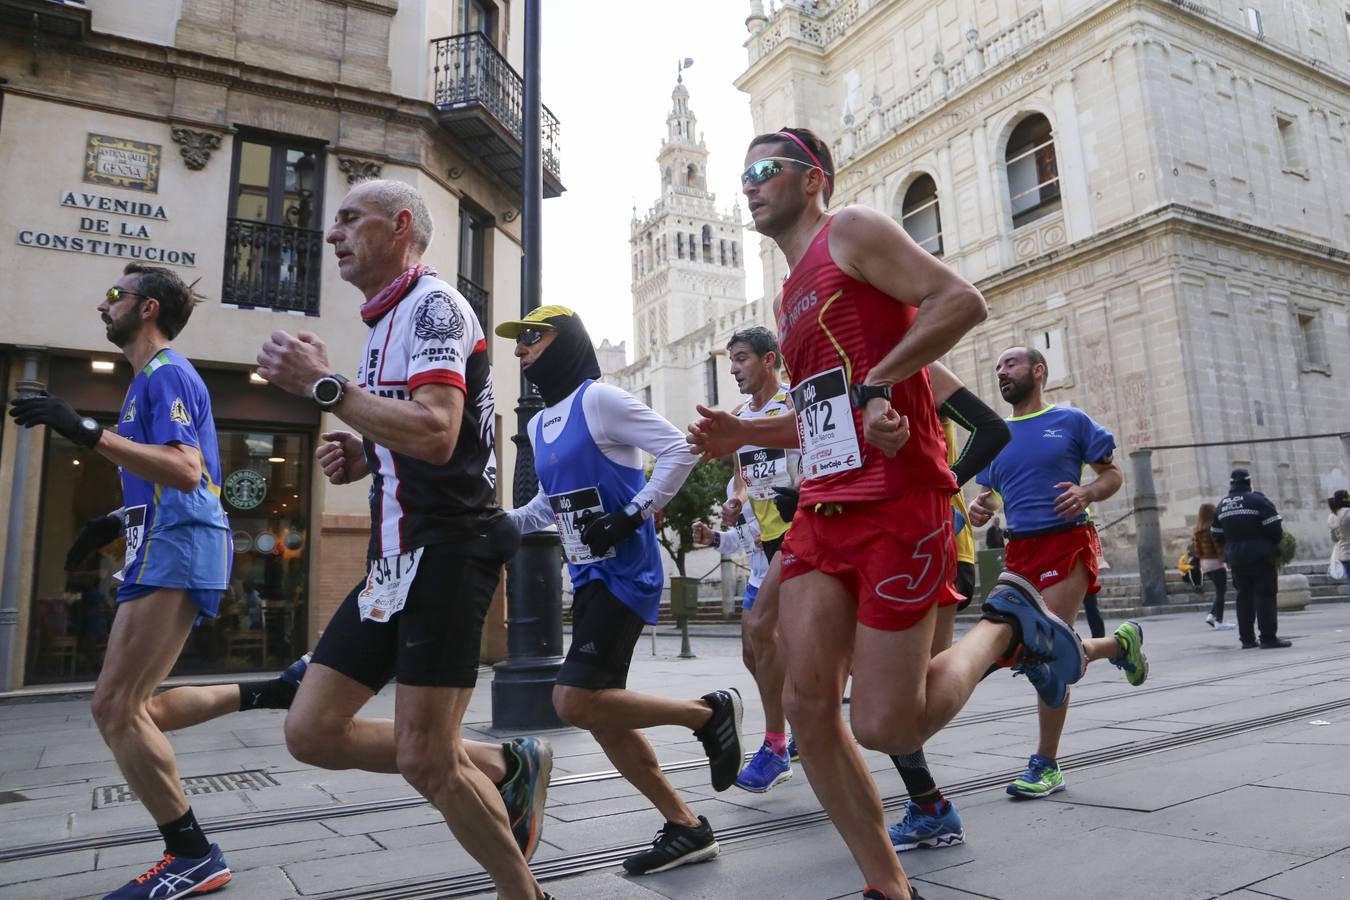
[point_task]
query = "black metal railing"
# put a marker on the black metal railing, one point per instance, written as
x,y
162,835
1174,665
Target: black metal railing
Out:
x,y
478,297
469,71
272,266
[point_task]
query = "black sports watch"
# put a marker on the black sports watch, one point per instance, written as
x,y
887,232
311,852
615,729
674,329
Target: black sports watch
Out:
x,y
632,511
328,390
860,394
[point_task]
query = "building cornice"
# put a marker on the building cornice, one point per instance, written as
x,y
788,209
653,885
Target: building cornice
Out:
x,y
1173,216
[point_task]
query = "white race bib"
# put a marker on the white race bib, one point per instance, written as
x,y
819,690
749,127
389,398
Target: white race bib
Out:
x,y
567,508
744,536
763,469
387,585
825,425
134,532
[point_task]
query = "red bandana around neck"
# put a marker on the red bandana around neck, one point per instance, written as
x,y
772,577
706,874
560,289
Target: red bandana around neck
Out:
x,y
396,290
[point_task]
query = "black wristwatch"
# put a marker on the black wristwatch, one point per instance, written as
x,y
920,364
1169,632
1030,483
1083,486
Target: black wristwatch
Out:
x,y
328,390
632,511
860,394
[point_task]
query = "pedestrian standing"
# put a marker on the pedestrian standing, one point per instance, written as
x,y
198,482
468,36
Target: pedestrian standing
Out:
x,y
1339,520
1212,566
1248,528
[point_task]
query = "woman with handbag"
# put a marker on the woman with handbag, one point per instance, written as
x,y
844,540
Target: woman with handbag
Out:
x,y
1339,521
1211,565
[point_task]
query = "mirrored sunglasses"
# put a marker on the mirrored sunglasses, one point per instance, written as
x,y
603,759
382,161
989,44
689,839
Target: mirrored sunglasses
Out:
x,y
531,336
761,170
116,293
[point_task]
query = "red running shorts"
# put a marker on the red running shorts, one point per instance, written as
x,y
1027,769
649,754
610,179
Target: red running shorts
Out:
x,y
896,556
1051,558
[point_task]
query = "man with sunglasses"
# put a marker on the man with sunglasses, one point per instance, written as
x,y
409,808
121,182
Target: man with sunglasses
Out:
x,y
588,443
870,556
178,556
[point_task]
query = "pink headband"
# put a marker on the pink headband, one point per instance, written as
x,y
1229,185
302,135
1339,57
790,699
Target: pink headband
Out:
x,y
829,176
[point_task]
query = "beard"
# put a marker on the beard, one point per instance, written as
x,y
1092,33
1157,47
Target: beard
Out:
x,y
123,329
1016,391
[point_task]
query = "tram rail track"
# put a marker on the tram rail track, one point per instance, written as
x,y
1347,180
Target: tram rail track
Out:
x,y
392,804
444,887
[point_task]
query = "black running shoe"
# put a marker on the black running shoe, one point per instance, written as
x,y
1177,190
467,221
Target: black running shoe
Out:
x,y
721,737
675,845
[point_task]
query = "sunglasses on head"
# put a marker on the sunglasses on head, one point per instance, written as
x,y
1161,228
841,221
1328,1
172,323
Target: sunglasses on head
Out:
x,y
531,336
116,293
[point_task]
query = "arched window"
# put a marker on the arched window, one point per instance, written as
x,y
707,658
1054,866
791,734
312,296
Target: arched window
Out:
x,y
919,214
707,244
1033,177
691,176
679,244
734,259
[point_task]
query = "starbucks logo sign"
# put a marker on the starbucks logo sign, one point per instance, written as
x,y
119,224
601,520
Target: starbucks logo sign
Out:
x,y
245,489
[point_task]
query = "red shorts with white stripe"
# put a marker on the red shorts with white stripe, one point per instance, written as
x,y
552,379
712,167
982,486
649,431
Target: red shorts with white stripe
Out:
x,y
897,556
1050,558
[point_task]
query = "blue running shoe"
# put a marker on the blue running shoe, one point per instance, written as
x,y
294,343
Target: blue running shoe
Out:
x,y
174,876
920,829
1051,653
525,794
765,770
295,672
793,755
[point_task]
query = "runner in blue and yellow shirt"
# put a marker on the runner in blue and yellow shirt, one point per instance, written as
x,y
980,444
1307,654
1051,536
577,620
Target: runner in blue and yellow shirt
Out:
x,y
177,560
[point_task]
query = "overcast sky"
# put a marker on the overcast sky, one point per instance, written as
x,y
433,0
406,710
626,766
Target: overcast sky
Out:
x,y
612,94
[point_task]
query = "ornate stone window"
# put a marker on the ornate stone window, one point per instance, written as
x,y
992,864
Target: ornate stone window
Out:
x,y
1033,175
920,215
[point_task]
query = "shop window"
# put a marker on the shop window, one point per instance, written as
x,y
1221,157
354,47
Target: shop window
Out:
x,y
1033,175
263,617
273,235
919,214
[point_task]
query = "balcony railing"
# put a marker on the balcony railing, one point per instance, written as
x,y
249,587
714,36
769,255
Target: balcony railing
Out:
x,y
481,99
478,298
272,266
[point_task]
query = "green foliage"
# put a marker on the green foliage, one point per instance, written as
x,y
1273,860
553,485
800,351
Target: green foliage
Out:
x,y
703,492
1288,548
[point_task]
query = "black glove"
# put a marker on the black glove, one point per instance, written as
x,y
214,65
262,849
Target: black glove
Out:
x,y
786,501
97,532
44,409
605,532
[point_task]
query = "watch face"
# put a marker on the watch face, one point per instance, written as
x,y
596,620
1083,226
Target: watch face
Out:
x,y
88,424
327,390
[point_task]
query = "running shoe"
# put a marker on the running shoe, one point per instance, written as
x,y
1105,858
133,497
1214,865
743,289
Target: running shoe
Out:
x,y
175,876
1211,621
1224,626
295,672
1051,653
1041,779
1130,637
525,793
721,737
921,829
765,770
675,845
793,755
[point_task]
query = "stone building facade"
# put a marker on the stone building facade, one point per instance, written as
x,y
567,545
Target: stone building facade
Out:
x,y
217,137
1154,193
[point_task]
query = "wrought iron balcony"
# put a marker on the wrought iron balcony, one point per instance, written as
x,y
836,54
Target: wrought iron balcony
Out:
x,y
481,101
478,298
272,266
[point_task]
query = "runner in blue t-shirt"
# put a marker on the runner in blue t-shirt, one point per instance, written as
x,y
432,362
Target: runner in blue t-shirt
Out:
x,y
1052,543
177,561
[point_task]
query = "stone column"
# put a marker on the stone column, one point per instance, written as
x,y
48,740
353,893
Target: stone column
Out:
x,y
1148,534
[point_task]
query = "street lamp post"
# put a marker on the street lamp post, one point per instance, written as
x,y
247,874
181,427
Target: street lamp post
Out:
x,y
522,686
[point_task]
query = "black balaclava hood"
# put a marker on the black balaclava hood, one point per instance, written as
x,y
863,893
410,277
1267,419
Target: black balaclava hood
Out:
x,y
566,363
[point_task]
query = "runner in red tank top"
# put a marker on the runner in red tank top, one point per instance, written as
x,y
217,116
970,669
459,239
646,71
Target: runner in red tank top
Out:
x,y
870,554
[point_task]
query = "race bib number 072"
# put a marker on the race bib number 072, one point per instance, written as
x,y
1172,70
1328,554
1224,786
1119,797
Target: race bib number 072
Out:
x,y
825,425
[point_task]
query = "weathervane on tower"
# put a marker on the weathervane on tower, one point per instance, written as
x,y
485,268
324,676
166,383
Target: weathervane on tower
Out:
x,y
681,66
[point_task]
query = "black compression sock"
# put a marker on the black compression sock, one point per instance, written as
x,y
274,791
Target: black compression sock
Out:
x,y
184,838
512,764
919,784
272,694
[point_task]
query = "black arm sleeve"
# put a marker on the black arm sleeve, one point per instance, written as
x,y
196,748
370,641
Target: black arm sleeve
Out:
x,y
988,433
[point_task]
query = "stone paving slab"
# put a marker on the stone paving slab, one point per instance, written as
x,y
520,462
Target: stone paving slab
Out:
x,y
1325,877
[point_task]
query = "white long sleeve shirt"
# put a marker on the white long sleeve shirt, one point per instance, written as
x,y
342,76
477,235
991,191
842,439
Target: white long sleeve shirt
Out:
x,y
623,428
